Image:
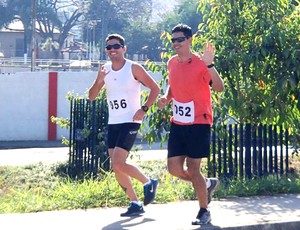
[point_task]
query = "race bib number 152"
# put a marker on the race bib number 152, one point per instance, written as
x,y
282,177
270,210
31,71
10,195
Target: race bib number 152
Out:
x,y
183,112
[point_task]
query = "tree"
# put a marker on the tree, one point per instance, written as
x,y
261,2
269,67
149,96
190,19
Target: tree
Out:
x,y
258,56
255,56
6,16
116,16
61,15
17,9
185,12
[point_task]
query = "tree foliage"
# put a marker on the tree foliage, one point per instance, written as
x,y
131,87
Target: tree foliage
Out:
x,y
117,16
51,15
59,15
258,44
17,10
185,12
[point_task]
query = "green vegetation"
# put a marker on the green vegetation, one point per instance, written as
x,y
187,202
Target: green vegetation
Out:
x,y
41,187
257,46
255,58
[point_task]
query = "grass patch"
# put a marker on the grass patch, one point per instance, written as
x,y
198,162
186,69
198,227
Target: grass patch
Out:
x,y
41,187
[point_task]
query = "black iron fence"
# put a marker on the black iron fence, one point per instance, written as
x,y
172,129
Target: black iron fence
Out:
x,y
238,151
88,151
246,150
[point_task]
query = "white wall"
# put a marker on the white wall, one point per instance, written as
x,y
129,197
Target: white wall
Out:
x,y
76,83
24,102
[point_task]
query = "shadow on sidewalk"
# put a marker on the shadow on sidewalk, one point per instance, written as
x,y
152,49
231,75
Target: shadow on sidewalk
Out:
x,y
30,144
126,223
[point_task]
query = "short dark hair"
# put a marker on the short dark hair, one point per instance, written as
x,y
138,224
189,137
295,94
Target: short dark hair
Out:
x,y
120,38
185,29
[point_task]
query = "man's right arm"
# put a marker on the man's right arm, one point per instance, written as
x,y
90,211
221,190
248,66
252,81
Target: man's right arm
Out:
x,y
163,101
168,94
98,83
95,89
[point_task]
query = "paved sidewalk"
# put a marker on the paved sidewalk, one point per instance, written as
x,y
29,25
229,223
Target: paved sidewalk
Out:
x,y
29,155
255,213
280,212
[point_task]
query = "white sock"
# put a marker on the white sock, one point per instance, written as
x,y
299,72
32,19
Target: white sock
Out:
x,y
149,181
136,202
208,183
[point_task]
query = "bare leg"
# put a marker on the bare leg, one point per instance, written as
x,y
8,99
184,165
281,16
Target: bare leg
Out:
x,y
124,172
191,174
176,168
198,180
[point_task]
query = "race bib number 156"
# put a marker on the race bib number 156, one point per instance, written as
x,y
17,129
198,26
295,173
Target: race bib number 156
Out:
x,y
118,104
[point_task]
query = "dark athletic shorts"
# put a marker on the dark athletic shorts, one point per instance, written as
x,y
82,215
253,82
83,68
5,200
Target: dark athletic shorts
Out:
x,y
122,135
189,140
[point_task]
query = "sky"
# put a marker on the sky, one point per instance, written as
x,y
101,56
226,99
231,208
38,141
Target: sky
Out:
x,y
160,7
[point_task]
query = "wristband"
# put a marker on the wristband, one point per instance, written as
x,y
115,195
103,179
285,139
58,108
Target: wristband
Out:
x,y
210,66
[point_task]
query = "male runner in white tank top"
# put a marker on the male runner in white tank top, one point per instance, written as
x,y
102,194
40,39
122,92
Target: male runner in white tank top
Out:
x,y
122,79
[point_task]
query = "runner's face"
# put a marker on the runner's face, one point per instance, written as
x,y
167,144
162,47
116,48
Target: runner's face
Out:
x,y
180,42
114,49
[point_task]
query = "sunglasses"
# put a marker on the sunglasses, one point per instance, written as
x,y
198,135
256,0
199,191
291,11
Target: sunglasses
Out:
x,y
179,39
115,46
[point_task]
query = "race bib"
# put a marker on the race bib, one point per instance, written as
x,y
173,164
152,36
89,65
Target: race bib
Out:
x,y
118,104
183,112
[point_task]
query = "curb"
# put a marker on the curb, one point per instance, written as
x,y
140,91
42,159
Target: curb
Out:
x,y
293,225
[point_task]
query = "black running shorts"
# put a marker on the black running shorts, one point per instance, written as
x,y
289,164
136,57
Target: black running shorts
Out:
x,y
189,140
122,135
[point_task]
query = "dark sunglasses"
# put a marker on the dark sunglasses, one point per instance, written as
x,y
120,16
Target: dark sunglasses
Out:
x,y
115,46
179,39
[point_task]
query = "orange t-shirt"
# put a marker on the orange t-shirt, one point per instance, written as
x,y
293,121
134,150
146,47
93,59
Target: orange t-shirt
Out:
x,y
190,91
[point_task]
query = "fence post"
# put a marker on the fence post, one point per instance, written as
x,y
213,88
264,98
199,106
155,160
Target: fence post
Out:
x,y
260,146
275,151
241,153
230,152
254,150
270,150
287,151
248,151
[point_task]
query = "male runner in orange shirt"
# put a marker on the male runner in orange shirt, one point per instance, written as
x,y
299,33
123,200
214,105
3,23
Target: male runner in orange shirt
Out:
x,y
191,78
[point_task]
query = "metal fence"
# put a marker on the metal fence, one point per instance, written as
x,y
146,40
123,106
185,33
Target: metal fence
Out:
x,y
13,65
238,151
16,64
249,151
88,149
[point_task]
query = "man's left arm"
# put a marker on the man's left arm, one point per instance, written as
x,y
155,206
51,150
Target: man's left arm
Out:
x,y
208,57
141,75
217,81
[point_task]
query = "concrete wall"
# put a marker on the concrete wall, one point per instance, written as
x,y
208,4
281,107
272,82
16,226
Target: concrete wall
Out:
x,y
25,99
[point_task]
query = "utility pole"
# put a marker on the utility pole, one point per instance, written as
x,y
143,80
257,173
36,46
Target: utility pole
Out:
x,y
33,43
93,23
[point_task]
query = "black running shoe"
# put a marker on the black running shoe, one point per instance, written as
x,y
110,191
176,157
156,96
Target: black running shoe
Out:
x,y
150,191
205,218
214,184
134,210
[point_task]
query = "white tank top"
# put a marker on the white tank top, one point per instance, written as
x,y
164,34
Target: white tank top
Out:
x,y
123,93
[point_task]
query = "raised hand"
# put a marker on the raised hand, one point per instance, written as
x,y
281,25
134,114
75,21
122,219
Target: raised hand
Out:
x,y
209,53
102,72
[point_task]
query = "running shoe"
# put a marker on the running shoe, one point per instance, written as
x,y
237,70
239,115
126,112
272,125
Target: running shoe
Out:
x,y
205,218
150,191
214,184
134,210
